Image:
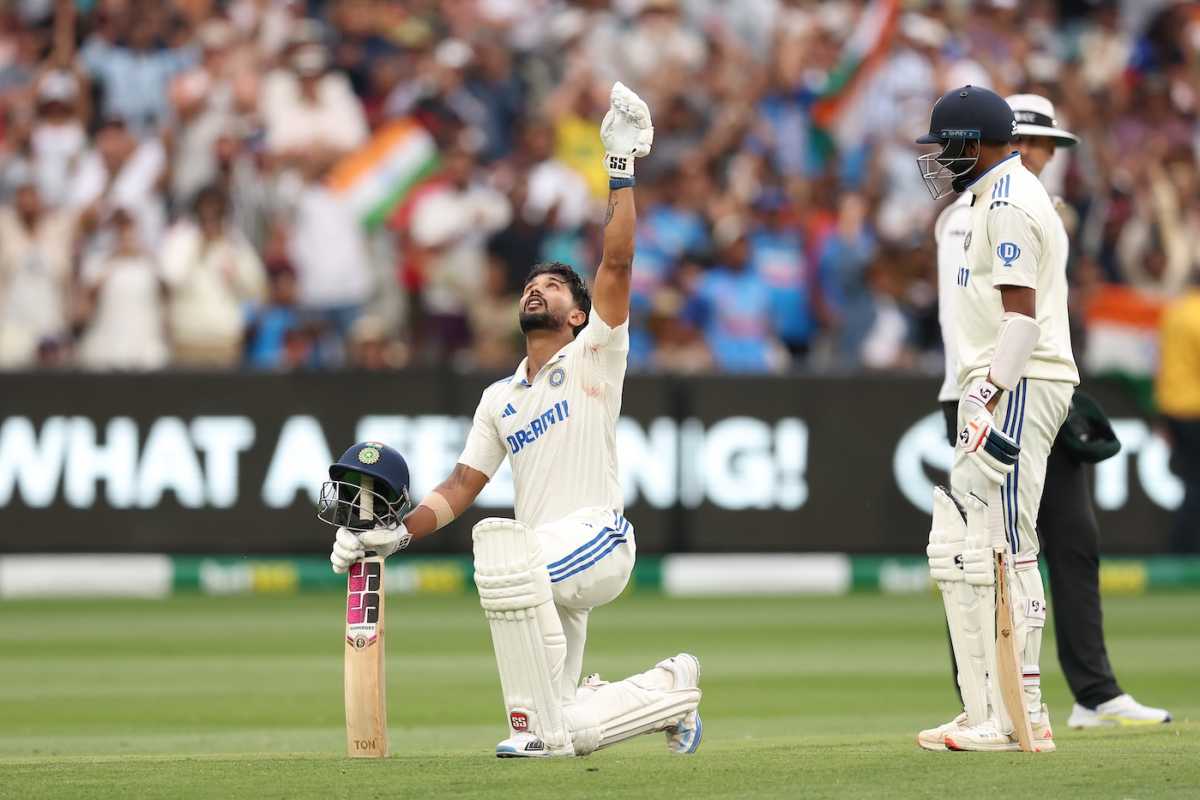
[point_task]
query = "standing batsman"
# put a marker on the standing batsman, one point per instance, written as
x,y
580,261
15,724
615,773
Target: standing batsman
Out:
x,y
1066,521
1016,375
570,547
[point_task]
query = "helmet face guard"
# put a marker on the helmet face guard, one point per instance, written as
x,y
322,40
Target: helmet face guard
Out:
x,y
946,172
342,501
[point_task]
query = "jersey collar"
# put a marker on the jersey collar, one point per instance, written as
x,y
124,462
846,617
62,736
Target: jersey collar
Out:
x,y
1001,168
519,379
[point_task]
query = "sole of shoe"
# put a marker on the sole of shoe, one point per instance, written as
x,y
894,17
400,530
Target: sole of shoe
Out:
x,y
938,746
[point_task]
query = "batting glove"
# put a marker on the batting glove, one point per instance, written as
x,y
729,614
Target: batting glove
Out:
x,y
992,450
626,131
349,546
346,550
978,395
385,541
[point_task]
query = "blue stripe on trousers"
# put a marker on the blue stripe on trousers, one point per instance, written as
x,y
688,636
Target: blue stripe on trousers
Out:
x,y
600,554
613,534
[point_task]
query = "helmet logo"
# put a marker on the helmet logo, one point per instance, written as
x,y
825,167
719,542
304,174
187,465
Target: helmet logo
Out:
x,y
368,455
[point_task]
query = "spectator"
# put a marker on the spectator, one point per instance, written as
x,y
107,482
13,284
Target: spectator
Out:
x,y
846,258
777,257
493,316
212,273
1178,396
732,304
123,304
450,229
270,326
58,139
36,250
122,172
308,107
327,249
132,63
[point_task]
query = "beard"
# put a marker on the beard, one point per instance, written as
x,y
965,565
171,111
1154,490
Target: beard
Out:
x,y
540,320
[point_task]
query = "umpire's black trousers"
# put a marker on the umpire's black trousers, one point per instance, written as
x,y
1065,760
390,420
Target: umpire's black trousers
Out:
x,y
1070,544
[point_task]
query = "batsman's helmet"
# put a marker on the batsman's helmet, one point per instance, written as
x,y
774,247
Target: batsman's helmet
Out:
x,y
343,496
961,116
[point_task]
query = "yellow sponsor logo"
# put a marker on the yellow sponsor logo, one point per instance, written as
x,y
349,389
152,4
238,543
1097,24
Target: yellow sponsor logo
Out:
x,y
1123,577
439,579
274,577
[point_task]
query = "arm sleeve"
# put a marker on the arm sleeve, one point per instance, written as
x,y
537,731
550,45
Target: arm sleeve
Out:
x,y
484,450
1017,246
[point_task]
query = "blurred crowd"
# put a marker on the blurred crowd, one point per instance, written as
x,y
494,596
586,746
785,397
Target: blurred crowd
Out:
x,y
170,192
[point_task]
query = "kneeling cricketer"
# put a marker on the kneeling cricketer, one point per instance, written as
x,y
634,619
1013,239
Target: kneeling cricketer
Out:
x,y
570,548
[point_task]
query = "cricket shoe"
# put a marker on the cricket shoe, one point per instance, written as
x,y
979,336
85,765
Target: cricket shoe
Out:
x,y
935,738
986,737
522,745
684,736
1122,710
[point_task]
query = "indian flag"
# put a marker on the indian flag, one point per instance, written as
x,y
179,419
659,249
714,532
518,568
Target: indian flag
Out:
x,y
1122,326
861,56
380,174
1122,338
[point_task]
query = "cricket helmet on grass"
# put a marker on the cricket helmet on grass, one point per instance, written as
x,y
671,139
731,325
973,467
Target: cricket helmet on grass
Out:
x,y
342,495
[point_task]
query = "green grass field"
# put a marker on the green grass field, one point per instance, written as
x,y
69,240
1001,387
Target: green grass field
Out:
x,y
804,697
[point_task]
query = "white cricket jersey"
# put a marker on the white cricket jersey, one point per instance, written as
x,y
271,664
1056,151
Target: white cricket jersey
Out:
x,y
557,430
949,233
1016,238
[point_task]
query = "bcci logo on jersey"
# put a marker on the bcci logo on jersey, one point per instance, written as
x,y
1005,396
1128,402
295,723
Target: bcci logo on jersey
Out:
x,y
1008,253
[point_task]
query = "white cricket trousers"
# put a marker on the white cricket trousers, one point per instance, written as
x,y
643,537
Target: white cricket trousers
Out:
x,y
1031,413
590,556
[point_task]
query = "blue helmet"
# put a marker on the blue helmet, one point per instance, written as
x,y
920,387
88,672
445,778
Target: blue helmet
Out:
x,y
344,497
961,116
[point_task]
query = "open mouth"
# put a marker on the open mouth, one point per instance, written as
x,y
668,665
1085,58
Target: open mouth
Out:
x,y
534,303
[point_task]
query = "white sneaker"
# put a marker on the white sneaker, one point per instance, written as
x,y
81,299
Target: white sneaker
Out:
x,y
522,745
684,737
987,738
935,738
1122,710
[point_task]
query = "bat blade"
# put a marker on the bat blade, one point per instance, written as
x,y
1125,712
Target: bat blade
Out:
x,y
365,680
1008,665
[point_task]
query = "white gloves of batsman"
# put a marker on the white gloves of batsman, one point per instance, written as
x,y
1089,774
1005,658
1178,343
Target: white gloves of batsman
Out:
x,y
626,131
993,451
349,546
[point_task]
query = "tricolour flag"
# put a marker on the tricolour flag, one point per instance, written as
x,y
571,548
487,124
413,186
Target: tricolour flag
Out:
x,y
379,175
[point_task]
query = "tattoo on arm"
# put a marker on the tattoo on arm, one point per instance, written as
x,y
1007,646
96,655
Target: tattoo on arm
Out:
x,y
612,207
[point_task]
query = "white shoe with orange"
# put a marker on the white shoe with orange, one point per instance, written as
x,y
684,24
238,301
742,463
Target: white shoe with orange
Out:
x,y
988,738
935,738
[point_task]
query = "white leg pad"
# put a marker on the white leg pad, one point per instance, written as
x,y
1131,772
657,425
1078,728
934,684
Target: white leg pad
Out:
x,y
1029,618
613,712
977,600
514,590
947,541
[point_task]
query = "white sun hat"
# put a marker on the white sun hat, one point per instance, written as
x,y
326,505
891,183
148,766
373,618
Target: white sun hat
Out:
x,y
1035,117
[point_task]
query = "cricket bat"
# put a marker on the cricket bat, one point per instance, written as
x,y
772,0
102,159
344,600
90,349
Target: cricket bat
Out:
x,y
365,681
1008,664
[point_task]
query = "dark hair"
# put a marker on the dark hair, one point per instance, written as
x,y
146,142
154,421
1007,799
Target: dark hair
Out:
x,y
211,194
579,289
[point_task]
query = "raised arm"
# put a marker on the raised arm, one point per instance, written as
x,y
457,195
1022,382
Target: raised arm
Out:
x,y
627,135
